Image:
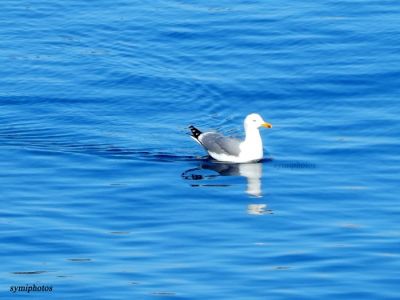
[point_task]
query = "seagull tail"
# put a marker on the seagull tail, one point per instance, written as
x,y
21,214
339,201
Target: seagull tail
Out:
x,y
195,132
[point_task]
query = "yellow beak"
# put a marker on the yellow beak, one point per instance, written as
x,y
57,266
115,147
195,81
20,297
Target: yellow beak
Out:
x,y
267,125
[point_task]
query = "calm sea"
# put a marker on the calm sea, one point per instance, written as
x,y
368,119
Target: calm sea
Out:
x,y
105,196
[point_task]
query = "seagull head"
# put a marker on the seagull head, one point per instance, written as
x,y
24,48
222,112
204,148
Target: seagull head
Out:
x,y
255,121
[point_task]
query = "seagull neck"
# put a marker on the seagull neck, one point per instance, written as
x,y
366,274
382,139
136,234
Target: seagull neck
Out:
x,y
252,136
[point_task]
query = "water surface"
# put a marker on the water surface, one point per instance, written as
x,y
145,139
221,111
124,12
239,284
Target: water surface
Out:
x,y
105,196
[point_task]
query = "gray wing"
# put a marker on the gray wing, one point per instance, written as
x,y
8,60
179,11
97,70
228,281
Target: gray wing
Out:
x,y
217,143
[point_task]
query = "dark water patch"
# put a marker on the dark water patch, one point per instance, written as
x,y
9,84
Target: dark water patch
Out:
x,y
29,272
280,268
80,259
118,184
165,294
210,185
193,174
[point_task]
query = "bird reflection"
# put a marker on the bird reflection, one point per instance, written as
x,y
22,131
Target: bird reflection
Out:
x,y
251,171
258,209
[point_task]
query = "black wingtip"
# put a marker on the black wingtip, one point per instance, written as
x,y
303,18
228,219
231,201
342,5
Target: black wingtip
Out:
x,y
195,132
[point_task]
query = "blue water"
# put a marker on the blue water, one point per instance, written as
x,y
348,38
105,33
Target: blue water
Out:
x,y
105,196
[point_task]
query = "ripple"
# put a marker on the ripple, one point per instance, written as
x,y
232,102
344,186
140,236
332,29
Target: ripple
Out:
x,y
167,294
80,259
29,272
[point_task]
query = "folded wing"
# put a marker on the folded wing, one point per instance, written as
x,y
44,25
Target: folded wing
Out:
x,y
219,144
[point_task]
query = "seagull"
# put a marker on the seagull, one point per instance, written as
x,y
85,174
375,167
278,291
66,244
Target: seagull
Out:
x,y
227,149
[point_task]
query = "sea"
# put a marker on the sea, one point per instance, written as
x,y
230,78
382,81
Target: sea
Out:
x,y
105,196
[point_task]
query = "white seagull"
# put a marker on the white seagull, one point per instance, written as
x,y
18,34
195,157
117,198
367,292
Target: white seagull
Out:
x,y
229,149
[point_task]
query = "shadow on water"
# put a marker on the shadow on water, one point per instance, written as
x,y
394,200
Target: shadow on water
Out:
x,y
209,171
251,171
